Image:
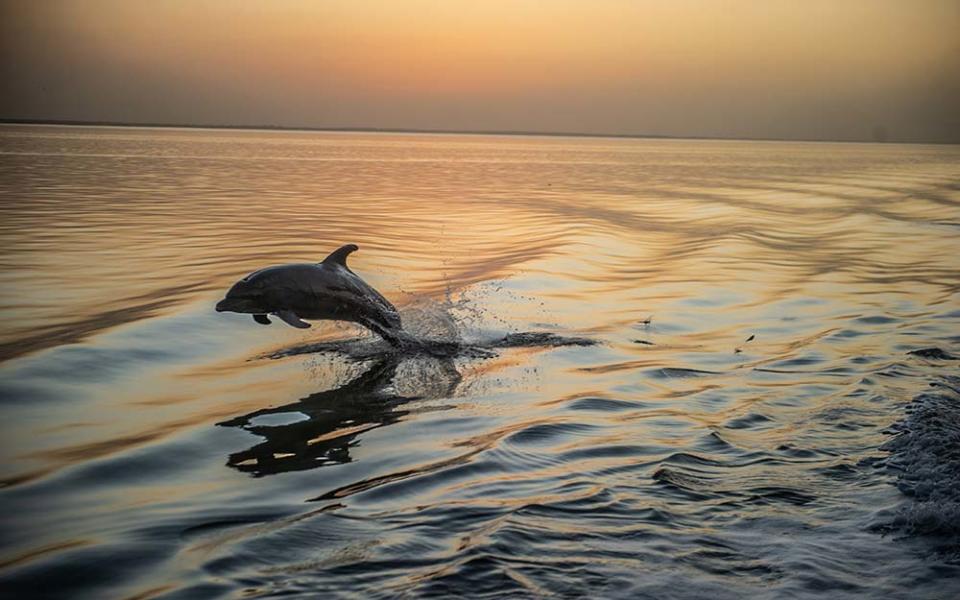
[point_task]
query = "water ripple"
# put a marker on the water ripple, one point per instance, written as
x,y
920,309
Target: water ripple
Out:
x,y
679,359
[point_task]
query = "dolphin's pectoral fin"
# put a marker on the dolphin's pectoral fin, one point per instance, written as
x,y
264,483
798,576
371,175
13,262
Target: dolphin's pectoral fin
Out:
x,y
262,319
290,318
339,256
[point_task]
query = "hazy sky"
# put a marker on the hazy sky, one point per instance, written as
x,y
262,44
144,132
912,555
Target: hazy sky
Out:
x,y
808,69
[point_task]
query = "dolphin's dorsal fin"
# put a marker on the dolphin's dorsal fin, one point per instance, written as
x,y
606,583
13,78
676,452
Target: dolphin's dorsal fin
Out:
x,y
339,256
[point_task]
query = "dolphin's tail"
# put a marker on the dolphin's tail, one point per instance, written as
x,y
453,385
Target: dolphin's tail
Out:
x,y
396,337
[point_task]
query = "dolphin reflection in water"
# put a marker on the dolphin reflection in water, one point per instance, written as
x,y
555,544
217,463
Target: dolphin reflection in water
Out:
x,y
327,290
331,421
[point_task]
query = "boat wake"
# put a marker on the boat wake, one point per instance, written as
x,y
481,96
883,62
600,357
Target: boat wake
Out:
x,y
925,454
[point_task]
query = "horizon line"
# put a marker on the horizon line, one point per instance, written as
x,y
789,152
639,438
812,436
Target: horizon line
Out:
x,y
503,132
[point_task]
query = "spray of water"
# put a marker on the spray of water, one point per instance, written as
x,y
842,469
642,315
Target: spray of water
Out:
x,y
454,327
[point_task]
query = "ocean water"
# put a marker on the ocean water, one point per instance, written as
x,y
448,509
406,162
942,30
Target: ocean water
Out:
x,y
747,419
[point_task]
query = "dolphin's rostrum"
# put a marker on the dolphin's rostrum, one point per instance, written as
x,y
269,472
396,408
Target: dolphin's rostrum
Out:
x,y
328,290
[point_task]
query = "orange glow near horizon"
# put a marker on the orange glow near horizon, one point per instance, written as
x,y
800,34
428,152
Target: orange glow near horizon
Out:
x,y
684,67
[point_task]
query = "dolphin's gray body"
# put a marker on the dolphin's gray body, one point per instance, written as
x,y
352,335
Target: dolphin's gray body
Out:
x,y
328,290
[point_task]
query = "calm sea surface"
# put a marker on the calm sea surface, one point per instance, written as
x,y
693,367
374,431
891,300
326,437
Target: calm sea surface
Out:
x,y
753,304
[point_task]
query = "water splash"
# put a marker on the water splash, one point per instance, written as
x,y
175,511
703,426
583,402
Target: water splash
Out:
x,y
925,455
438,329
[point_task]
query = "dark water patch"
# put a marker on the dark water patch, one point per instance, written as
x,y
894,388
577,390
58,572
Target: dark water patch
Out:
x,y
475,469
834,371
750,421
197,591
731,562
933,354
604,405
843,471
692,486
685,458
792,451
479,577
37,553
205,529
779,495
714,442
372,483
601,501
799,361
894,370
850,333
848,417
877,320
26,392
679,373
91,571
549,433
131,463
611,451
716,485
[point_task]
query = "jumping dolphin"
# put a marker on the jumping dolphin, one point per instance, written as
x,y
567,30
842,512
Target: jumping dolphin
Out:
x,y
328,290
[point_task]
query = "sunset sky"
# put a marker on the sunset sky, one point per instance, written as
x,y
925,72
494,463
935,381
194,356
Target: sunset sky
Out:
x,y
812,69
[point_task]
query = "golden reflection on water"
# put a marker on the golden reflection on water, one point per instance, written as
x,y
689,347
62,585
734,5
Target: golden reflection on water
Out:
x,y
836,258
179,220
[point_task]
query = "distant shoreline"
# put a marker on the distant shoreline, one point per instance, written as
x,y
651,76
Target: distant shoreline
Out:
x,y
576,134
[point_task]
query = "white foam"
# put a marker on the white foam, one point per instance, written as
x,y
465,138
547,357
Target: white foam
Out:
x,y
926,455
